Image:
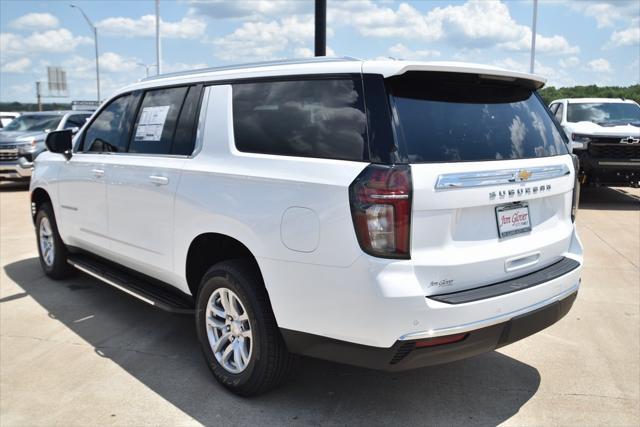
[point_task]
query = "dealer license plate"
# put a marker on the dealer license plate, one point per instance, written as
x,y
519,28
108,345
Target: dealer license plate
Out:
x,y
513,219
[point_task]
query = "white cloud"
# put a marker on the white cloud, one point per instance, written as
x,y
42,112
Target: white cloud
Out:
x,y
599,65
569,62
179,66
557,45
110,62
35,21
606,13
476,23
627,37
51,41
18,66
114,63
186,28
253,9
400,51
305,52
371,19
264,40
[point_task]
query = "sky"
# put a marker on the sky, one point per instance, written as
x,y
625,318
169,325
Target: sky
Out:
x,y
578,42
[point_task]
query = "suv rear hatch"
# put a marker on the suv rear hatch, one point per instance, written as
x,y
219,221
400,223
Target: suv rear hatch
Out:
x,y
492,178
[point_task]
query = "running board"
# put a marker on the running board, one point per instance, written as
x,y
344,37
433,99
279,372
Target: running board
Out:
x,y
153,294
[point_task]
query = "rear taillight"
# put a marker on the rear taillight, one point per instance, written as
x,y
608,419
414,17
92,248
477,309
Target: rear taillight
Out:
x,y
575,199
381,208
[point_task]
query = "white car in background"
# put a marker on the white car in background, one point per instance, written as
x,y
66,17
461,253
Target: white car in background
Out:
x,y
6,117
605,135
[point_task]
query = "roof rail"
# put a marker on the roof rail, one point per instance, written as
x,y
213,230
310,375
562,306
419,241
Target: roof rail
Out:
x,y
252,65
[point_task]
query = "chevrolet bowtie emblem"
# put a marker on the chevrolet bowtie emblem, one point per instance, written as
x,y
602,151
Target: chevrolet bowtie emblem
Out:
x,y
630,140
523,175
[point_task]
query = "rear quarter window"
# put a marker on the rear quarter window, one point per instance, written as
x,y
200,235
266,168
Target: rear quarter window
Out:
x,y
454,118
321,118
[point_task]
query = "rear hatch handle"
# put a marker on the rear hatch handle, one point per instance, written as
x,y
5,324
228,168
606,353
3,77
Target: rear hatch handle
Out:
x,y
521,261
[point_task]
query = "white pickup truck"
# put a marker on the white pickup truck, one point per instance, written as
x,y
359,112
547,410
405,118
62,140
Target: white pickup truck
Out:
x,y
605,135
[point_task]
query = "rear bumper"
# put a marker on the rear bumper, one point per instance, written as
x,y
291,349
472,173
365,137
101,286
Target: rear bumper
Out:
x,y
407,355
379,302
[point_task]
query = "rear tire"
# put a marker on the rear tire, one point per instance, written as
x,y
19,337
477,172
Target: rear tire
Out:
x,y
245,319
53,253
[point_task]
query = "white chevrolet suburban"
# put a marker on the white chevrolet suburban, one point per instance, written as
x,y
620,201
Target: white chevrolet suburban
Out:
x,y
386,214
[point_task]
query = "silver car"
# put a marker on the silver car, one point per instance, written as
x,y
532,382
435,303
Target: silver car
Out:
x,y
22,140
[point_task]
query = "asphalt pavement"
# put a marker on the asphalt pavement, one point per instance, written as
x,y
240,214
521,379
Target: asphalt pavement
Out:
x,y
78,352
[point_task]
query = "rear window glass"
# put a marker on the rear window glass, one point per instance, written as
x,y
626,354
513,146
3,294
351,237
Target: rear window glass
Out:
x,y
453,118
307,118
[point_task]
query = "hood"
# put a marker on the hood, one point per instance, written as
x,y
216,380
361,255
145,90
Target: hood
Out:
x,y
594,129
16,137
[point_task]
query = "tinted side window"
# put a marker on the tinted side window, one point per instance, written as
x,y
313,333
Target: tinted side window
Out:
x,y
109,132
76,121
553,108
184,139
558,113
156,121
306,118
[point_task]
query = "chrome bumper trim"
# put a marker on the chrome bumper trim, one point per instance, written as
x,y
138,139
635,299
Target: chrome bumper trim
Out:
x,y
619,163
24,168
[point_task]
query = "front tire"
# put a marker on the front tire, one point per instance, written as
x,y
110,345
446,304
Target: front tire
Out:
x,y
237,331
53,253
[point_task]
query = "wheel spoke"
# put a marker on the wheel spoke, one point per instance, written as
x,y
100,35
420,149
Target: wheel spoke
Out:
x,y
237,355
217,311
227,354
233,303
244,352
224,300
221,342
215,323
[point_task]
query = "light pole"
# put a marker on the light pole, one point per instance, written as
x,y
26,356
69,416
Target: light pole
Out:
x,y
533,35
321,28
158,50
146,66
95,38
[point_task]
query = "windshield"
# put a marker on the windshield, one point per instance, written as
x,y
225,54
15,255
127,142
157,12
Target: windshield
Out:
x,y
39,122
610,113
463,117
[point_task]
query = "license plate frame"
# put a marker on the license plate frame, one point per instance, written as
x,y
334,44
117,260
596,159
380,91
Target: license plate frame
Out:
x,y
512,224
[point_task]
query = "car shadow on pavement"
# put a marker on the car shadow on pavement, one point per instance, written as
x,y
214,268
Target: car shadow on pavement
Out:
x,y
607,198
161,351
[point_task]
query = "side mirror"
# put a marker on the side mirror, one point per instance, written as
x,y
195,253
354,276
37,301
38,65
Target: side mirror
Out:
x,y
74,130
59,141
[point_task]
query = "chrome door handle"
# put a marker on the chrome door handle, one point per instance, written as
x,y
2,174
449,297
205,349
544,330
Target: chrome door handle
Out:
x,y
159,180
98,173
